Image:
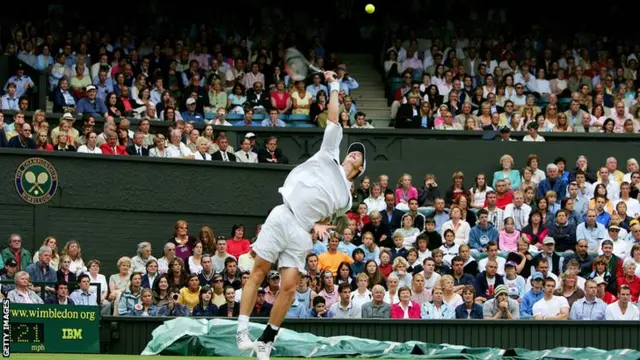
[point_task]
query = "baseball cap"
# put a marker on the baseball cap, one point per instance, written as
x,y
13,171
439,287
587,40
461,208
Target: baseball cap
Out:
x,y
500,289
511,263
599,280
537,276
11,262
261,291
548,240
359,147
273,274
191,101
612,227
250,135
91,87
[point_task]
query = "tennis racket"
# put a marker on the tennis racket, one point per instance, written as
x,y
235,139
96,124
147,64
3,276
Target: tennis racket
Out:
x,y
297,66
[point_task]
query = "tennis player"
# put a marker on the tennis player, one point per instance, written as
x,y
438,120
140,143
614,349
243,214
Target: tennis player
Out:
x,y
312,193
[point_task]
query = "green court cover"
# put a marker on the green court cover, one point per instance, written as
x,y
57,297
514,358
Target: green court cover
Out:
x,y
201,337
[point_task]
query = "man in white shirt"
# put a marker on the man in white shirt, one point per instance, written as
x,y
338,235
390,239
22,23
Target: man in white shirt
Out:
x,y
622,309
492,251
245,155
345,309
518,210
177,149
551,307
312,193
613,189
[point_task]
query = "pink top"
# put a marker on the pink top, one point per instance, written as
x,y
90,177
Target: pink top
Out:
x,y
509,242
400,195
398,313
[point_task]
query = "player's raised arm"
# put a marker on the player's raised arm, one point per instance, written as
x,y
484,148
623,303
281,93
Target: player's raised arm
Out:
x,y
333,108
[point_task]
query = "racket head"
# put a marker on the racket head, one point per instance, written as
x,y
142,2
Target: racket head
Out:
x,y
296,65
30,177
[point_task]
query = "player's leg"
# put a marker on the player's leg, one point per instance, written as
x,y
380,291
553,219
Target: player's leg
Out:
x,y
267,248
289,279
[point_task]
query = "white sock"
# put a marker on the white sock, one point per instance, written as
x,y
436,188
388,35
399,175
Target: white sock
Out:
x,y
243,322
276,328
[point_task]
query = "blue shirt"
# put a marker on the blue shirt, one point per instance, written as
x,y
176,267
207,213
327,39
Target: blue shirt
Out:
x,y
319,248
593,235
21,84
528,300
267,123
194,116
9,103
585,310
95,108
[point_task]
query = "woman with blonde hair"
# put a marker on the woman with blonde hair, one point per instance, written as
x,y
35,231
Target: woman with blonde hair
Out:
x,y
418,292
72,248
449,296
458,225
391,297
42,141
52,244
404,192
569,288
507,172
182,240
208,239
400,270
119,282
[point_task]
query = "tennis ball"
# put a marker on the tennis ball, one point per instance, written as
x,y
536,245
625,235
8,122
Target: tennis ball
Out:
x,y
369,8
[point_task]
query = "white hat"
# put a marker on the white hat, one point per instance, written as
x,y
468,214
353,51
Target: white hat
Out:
x,y
250,135
90,87
191,101
67,116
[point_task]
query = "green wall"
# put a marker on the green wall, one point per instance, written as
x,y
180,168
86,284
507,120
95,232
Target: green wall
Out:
x,y
110,204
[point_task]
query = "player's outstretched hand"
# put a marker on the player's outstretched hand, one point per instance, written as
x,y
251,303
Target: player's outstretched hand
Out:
x,y
330,76
322,230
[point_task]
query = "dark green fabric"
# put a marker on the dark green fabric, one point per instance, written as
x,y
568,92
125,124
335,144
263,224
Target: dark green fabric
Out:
x,y
200,337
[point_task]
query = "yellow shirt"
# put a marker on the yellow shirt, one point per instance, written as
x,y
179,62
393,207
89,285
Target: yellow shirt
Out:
x,y
219,300
331,262
191,299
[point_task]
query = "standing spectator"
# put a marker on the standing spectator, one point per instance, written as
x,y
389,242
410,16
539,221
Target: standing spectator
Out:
x,y
551,307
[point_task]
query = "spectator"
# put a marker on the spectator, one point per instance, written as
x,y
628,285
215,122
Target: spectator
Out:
x,y
84,296
139,262
622,309
469,309
98,279
487,281
22,294
438,309
146,306
131,296
532,296
16,252
345,308
589,307
551,307
501,306
205,307
405,308
376,308
64,273
8,274
61,296
190,294
150,274
629,278
40,272
319,309
173,307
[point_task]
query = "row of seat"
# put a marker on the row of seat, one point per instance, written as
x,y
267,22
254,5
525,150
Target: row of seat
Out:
x,y
292,120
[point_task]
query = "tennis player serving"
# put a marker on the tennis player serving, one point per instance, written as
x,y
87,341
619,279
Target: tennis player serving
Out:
x,y
312,193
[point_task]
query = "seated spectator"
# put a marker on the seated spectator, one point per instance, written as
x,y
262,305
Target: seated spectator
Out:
x,y
98,281
345,308
376,308
501,306
161,291
131,296
589,307
61,297
22,294
301,99
230,308
205,307
8,274
146,306
150,274
319,309
41,273
405,308
623,309
194,263
64,274
190,294
173,307
232,277
63,100
438,309
261,308
483,233
84,296
169,254
492,254
532,296
238,244
629,278
332,258
469,309
551,307
91,104
487,281
139,262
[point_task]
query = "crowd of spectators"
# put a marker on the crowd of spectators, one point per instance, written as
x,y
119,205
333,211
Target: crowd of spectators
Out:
x,y
451,81
559,243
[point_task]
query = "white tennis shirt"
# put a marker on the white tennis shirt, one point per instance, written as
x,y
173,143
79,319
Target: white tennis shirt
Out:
x,y
318,188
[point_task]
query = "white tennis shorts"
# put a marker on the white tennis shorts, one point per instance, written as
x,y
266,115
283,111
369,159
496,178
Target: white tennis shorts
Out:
x,y
283,240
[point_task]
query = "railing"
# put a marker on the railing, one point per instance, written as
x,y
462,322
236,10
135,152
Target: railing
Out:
x,y
125,335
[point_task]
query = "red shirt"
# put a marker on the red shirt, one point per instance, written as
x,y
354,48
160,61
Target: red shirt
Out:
x,y
108,150
280,99
634,286
609,298
238,247
385,270
18,256
502,202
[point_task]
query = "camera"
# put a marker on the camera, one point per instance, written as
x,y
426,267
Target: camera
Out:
x,y
175,297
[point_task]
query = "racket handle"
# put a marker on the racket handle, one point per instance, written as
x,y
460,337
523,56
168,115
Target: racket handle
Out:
x,y
315,69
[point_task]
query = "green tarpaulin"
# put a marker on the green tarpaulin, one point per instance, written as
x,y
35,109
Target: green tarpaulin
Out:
x,y
200,337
